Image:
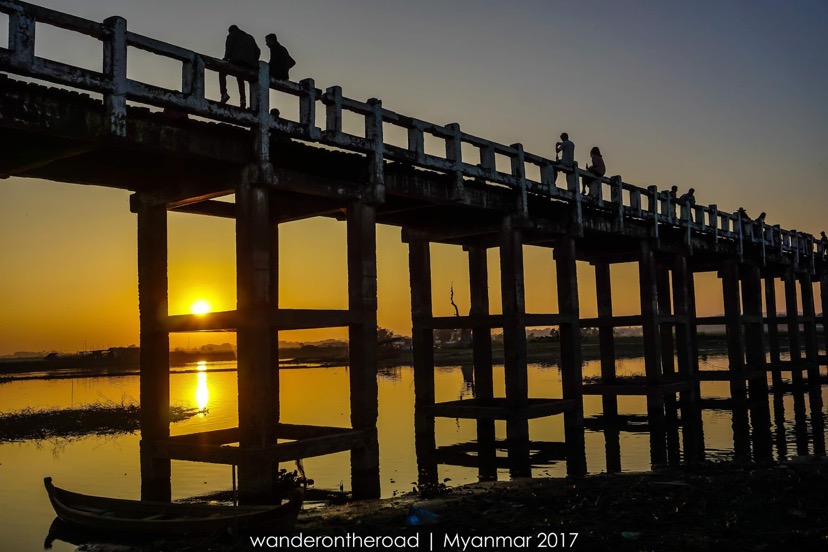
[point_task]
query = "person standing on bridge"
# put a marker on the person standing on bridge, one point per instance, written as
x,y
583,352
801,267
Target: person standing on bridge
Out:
x,y
823,242
597,166
564,154
240,49
280,60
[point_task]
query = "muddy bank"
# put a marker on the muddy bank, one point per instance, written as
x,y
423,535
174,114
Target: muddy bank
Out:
x,y
717,506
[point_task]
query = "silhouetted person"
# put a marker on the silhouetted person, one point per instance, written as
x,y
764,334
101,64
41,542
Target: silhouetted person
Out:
x,y
673,193
564,153
743,214
761,217
823,241
280,60
596,166
689,198
240,49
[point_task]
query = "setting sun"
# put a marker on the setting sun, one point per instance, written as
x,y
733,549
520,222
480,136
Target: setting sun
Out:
x,y
200,307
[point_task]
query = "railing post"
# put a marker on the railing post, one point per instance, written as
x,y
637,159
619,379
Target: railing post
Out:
x,y
617,197
260,100
22,38
454,154
115,60
333,112
307,108
547,176
714,222
487,160
416,142
519,172
652,192
192,79
376,166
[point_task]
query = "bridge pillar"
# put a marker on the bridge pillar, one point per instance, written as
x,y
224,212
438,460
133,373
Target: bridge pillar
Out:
x,y
514,344
571,365
362,335
482,351
823,295
773,331
155,346
422,341
792,314
606,344
810,331
257,378
648,284
754,330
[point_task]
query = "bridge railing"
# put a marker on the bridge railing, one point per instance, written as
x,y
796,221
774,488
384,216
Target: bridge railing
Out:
x,y
556,182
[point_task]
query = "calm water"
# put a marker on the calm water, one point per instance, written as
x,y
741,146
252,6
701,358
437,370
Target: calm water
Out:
x,y
317,396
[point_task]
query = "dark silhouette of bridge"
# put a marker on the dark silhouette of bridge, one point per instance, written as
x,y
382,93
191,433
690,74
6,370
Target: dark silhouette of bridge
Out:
x,y
103,128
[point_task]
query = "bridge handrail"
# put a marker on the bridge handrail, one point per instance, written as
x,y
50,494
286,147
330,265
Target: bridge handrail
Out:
x,y
661,208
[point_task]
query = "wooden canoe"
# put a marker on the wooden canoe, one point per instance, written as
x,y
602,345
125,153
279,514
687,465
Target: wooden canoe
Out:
x,y
164,518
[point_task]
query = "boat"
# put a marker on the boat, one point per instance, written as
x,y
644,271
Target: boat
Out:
x,y
115,515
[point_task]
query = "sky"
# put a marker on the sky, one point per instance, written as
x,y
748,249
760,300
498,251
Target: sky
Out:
x,y
725,97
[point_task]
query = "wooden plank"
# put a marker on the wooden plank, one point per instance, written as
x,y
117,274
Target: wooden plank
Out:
x,y
212,321
612,321
466,322
621,388
727,375
300,319
502,409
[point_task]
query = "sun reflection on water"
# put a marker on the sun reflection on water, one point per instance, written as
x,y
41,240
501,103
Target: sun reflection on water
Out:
x,y
202,391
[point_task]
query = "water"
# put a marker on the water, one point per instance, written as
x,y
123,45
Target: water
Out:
x,y
318,396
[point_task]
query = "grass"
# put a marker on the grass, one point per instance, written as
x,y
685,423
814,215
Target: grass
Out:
x,y
108,418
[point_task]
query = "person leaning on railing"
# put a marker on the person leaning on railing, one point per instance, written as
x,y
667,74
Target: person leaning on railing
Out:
x,y
687,202
240,49
564,153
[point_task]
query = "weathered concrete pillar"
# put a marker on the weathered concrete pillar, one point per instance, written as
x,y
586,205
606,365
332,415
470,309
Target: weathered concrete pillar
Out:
x,y
258,399
482,348
773,331
755,355
606,338
733,327
514,336
810,330
648,283
792,313
571,365
823,295
692,435
155,346
422,340
362,337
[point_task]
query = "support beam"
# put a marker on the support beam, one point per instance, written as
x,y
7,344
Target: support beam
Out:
x,y
648,283
733,327
571,368
362,297
755,354
482,351
155,347
823,293
257,395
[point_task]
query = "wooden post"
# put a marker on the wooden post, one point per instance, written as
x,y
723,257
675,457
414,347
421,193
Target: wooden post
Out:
x,y
481,335
422,341
362,336
792,313
648,284
755,354
694,328
571,368
155,346
482,350
823,294
733,327
606,338
773,331
810,330
514,335
665,310
256,373
274,304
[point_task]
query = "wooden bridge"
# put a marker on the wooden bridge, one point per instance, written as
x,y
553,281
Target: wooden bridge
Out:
x,y
106,129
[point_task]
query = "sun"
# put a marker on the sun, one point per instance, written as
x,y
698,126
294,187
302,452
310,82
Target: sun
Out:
x,y
200,307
